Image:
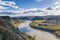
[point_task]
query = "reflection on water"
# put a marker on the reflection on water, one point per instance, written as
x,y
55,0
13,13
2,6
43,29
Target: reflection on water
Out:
x,y
25,29
40,35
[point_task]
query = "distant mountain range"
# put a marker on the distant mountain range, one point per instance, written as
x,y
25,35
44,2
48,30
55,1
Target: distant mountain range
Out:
x,y
37,17
29,18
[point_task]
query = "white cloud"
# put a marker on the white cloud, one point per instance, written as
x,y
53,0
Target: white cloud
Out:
x,y
9,3
16,7
12,3
56,3
1,7
39,0
58,6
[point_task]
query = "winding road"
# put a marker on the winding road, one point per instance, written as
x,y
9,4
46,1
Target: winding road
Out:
x,y
39,34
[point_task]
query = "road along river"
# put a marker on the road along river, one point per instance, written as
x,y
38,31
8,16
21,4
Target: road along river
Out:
x,y
39,34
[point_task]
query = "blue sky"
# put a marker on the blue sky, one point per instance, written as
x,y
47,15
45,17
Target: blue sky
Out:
x,y
27,4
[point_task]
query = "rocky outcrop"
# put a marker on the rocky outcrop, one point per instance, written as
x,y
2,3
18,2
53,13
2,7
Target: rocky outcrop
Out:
x,y
8,32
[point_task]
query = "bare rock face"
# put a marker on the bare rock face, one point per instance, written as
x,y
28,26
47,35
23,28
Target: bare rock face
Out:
x,y
7,31
5,22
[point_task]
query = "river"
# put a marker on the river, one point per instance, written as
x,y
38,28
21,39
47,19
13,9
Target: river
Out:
x,y
39,34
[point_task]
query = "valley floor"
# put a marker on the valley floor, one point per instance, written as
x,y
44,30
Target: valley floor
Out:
x,y
38,34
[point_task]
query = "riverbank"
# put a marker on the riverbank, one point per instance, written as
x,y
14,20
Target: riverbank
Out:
x,y
52,28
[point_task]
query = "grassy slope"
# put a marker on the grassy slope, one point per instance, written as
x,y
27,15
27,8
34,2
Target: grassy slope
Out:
x,y
47,26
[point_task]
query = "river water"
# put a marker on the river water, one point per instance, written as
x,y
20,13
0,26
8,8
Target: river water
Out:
x,y
39,34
